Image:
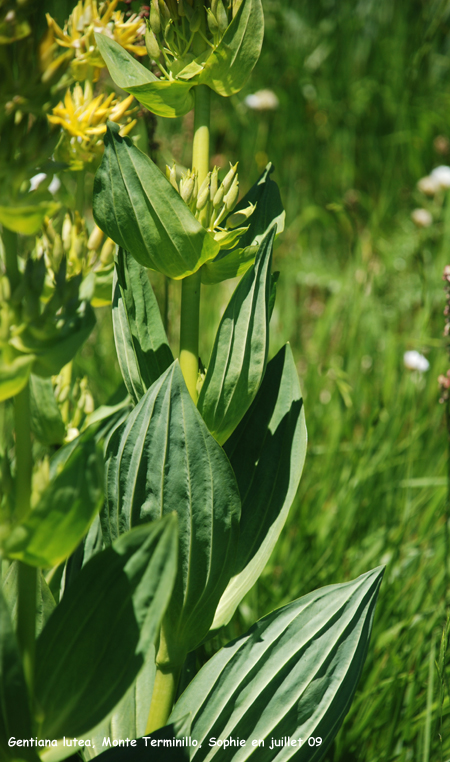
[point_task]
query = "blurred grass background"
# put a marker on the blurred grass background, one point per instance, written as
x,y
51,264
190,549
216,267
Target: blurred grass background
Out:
x,y
364,110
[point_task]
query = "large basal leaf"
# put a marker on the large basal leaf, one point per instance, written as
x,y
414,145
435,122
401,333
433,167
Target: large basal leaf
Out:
x,y
15,717
292,676
267,451
129,718
239,354
136,206
45,600
53,529
47,424
141,343
228,67
164,459
168,744
163,98
96,640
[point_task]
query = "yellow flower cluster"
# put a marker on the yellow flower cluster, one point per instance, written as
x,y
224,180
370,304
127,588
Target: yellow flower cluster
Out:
x,y
87,18
83,117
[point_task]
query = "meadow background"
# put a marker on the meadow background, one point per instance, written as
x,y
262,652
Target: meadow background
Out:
x,y
364,113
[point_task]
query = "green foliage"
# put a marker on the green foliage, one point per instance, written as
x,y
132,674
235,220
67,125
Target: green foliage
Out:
x,y
162,460
141,343
239,354
53,529
292,675
15,716
89,628
143,582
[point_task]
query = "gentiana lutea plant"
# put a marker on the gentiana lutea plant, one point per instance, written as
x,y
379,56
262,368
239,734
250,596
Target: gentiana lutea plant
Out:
x,y
181,491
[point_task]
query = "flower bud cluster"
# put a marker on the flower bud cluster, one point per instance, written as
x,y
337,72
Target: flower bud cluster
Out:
x,y
83,252
178,27
213,201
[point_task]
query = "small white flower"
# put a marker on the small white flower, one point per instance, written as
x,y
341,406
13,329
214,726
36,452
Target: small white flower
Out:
x,y
37,180
441,175
263,100
413,360
422,218
428,185
54,185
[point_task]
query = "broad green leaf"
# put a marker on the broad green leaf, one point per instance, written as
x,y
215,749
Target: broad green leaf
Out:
x,y
239,354
168,744
141,343
235,263
45,600
53,529
15,717
267,451
27,220
163,98
56,340
228,67
163,459
96,640
136,206
269,209
129,718
47,424
293,675
14,375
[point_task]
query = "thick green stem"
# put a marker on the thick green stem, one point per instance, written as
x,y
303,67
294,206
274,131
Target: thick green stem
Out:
x,y
163,698
190,293
26,606
189,327
164,688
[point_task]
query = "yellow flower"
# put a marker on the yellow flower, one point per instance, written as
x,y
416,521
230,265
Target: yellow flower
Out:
x,y
83,118
86,18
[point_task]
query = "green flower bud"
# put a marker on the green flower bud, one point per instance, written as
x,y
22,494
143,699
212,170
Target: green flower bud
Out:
x,y
187,189
229,177
203,194
221,16
155,17
214,183
151,43
171,174
218,198
212,22
165,13
240,218
173,8
231,197
107,253
195,21
95,239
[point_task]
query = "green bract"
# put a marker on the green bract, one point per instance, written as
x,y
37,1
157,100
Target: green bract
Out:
x,y
137,207
224,67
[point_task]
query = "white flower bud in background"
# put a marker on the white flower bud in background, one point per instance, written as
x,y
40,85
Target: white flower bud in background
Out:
x,y
54,185
421,218
413,360
263,100
441,175
428,185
